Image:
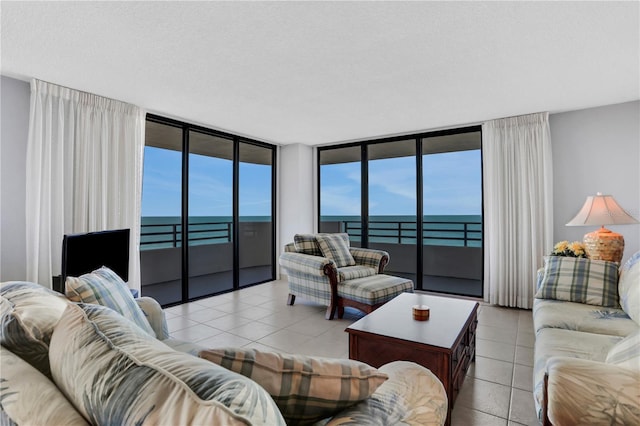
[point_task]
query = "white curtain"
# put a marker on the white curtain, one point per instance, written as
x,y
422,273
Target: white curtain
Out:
x,y
518,203
84,173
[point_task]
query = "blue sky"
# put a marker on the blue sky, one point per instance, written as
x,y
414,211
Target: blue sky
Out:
x,y
451,186
210,185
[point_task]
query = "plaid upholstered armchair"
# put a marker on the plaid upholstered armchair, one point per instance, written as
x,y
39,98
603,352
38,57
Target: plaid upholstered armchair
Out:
x,y
320,265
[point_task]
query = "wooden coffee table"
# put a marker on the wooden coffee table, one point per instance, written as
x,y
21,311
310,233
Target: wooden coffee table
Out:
x,y
445,343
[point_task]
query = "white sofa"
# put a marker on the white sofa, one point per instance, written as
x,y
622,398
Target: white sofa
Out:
x,y
587,356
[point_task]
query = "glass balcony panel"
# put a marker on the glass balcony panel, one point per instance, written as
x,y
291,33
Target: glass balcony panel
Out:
x,y
160,231
256,221
210,214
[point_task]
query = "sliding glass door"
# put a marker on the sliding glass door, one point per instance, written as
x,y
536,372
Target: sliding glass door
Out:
x,y
210,198
161,222
452,206
255,227
417,197
340,172
392,204
208,221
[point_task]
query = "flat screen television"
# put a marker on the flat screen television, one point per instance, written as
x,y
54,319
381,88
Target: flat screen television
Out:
x,y
86,252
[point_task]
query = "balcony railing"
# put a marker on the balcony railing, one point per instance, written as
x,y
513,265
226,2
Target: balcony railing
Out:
x,y
166,235
459,233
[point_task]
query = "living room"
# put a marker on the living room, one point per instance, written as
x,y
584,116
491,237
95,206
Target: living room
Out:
x,y
593,108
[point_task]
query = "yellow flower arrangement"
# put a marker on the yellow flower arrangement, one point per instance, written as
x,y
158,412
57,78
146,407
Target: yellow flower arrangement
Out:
x,y
565,248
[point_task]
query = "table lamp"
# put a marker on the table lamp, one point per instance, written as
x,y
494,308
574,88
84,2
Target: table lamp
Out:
x,y
602,244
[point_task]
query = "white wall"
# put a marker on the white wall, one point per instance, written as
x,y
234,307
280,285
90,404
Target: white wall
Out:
x,y
296,192
596,150
14,123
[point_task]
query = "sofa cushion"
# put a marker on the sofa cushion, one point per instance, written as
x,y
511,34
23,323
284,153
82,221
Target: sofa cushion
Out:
x,y
28,397
357,271
115,374
307,244
104,287
552,342
549,313
306,389
28,313
629,287
594,282
626,353
335,248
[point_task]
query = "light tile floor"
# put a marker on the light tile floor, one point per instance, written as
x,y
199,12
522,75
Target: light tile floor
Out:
x,y
497,390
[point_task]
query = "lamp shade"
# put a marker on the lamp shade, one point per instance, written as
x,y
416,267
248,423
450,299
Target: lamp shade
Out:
x,y
601,210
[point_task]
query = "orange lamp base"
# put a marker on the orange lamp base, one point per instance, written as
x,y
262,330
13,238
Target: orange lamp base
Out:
x,y
604,244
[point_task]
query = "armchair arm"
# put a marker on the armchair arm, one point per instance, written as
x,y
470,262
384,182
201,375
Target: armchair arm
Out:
x,y
579,391
376,259
155,315
306,264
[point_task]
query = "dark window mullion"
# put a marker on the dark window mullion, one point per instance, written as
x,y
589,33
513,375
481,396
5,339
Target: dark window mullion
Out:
x,y
185,214
364,191
236,213
419,214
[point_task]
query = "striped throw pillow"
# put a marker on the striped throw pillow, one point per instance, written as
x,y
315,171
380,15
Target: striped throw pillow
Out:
x,y
594,282
334,247
305,389
104,287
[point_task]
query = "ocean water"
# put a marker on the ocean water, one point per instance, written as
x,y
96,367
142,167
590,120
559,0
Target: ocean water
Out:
x,y
449,230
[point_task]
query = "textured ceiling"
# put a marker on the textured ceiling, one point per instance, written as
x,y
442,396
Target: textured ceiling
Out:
x,y
325,72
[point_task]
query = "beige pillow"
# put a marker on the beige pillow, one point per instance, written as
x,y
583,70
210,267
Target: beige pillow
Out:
x,y
116,374
306,389
28,313
30,398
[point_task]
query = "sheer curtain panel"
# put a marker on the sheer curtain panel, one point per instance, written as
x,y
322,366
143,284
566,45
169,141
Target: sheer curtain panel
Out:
x,y
518,198
84,173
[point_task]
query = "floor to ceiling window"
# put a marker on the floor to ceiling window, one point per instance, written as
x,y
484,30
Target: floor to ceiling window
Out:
x,y
417,197
340,191
216,191
256,212
452,209
392,204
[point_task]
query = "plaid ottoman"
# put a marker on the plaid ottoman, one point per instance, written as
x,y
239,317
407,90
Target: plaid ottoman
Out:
x,y
369,293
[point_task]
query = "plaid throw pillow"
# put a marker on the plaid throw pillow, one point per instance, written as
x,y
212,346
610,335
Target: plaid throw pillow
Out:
x,y
594,282
307,244
335,248
104,287
306,389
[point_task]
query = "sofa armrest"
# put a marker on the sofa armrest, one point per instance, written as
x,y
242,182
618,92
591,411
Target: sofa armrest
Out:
x,y
155,315
412,395
580,391
307,264
376,259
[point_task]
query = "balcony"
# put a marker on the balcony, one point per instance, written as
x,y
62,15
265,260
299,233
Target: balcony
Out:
x,y
452,254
